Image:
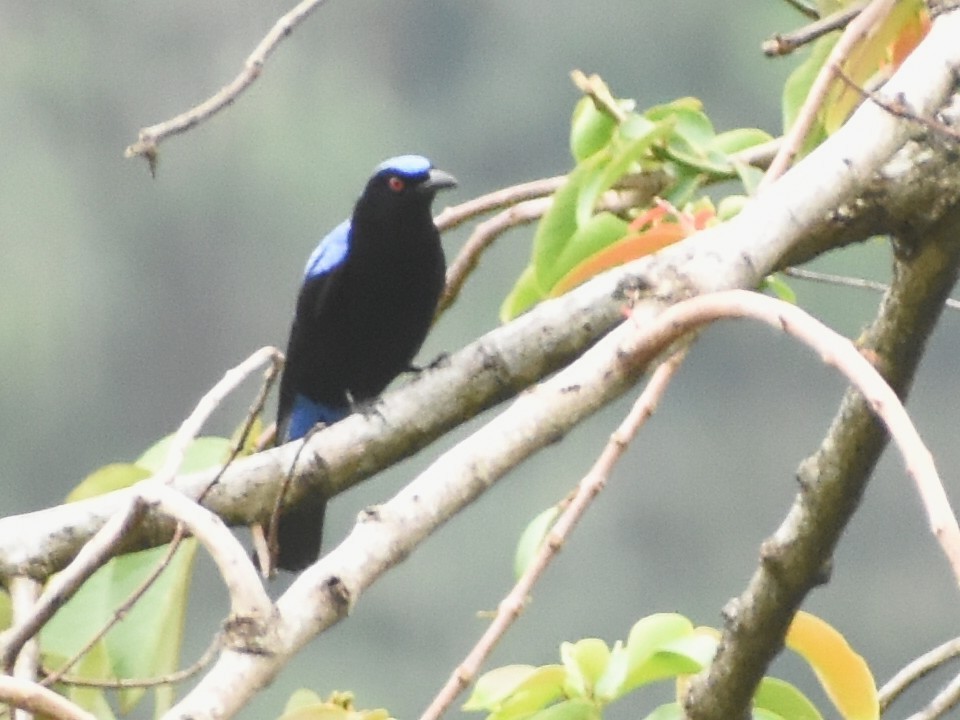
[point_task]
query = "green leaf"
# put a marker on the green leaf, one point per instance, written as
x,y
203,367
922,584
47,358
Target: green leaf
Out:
x,y
783,699
538,691
590,129
670,711
779,288
301,698
108,478
202,454
494,686
797,87
688,182
691,142
95,664
685,106
648,637
733,141
599,231
585,662
308,705
6,610
573,709
684,656
515,691
762,714
532,538
730,206
609,685
559,223
750,177
146,643
525,294
637,136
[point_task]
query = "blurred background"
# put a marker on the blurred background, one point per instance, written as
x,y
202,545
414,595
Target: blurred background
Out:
x,y
123,298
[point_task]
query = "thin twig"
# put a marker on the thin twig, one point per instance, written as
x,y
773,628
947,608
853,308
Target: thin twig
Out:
x,y
596,89
24,592
190,428
842,354
119,612
482,237
454,216
786,43
858,28
898,108
62,586
849,281
942,703
150,137
803,8
40,700
486,232
511,607
268,563
270,377
95,554
917,670
127,683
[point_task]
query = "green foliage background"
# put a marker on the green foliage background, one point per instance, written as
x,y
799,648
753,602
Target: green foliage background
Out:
x,y
123,298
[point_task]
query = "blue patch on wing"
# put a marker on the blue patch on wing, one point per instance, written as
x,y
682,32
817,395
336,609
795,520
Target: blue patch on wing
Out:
x,y
306,414
405,165
331,251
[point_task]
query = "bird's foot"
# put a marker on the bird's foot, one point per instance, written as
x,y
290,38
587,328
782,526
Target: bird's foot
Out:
x,y
441,360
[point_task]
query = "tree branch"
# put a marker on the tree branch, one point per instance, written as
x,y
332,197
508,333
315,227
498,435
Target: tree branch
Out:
x,y
797,557
814,207
150,137
38,699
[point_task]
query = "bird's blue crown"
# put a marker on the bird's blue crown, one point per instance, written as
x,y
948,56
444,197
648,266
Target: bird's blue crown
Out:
x,y
405,165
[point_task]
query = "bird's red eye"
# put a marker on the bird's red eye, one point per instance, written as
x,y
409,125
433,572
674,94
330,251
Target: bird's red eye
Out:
x,y
395,183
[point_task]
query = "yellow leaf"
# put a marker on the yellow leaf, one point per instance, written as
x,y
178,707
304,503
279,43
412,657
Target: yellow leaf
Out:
x,y
843,674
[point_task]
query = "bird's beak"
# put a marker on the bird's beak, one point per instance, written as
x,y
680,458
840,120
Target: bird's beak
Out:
x,y
437,180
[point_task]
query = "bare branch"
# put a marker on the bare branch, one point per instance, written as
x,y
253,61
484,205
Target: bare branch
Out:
x,y
838,351
23,596
453,217
40,700
797,557
190,428
524,213
796,218
898,108
917,670
786,43
588,488
849,281
854,33
94,553
150,137
126,683
942,703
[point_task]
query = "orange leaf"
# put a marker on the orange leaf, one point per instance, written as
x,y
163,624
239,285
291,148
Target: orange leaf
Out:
x,y
629,248
909,37
843,674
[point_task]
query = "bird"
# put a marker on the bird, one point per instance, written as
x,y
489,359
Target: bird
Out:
x,y
367,300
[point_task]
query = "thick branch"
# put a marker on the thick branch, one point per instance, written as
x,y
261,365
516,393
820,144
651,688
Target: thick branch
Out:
x,y
814,207
798,556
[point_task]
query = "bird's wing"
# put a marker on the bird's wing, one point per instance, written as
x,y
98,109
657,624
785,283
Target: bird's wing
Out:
x,y
330,253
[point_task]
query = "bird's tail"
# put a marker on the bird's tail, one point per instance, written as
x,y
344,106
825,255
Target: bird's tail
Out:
x,y
299,534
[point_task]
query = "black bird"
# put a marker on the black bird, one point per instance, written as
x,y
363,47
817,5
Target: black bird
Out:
x,y
368,298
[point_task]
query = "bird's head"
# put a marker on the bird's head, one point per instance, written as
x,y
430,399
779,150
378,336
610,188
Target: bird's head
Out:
x,y
406,180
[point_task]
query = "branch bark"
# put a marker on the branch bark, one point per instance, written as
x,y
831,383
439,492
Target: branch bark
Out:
x,y
798,556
